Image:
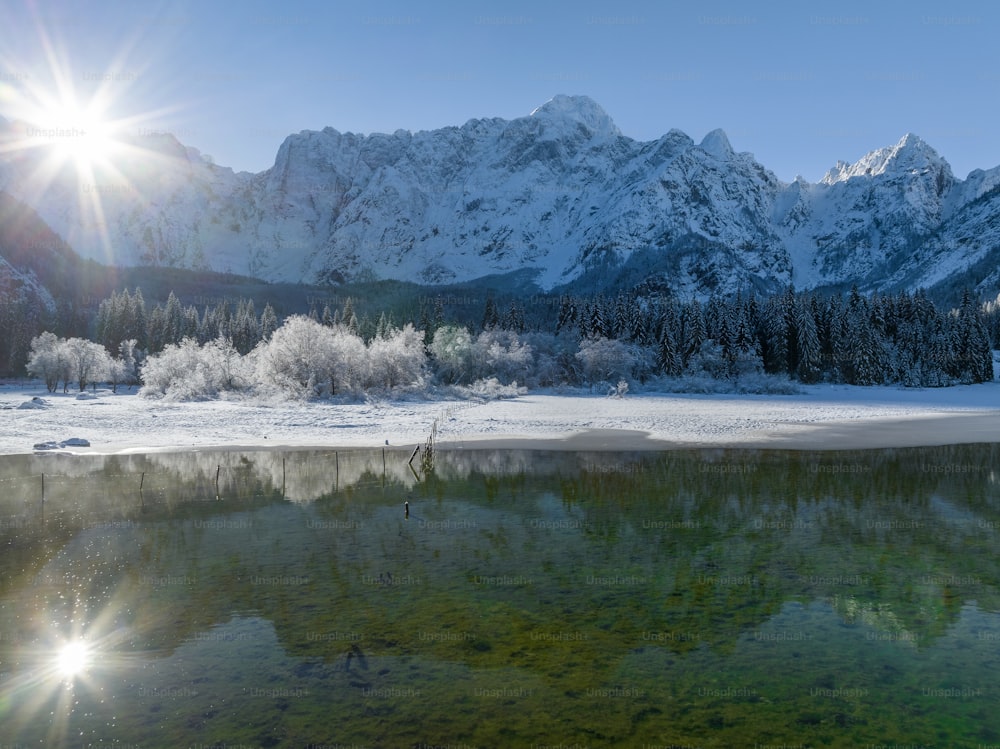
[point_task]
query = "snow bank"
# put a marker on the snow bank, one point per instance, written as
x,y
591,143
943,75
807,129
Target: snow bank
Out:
x,y
820,416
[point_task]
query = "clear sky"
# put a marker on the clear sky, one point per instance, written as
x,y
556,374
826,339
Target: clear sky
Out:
x,y
799,84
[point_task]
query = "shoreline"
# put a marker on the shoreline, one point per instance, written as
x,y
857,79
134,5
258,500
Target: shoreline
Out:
x,y
832,436
821,418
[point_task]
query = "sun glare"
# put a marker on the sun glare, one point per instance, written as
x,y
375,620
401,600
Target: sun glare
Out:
x,y
73,659
74,129
77,134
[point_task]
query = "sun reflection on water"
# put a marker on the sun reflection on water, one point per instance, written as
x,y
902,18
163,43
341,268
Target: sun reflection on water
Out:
x,y
73,659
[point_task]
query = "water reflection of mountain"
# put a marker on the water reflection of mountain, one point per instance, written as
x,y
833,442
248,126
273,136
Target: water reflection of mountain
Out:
x,y
613,546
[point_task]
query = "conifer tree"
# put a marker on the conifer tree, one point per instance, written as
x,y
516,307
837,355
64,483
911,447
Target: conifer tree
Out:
x,y
972,356
809,365
774,336
491,318
597,319
567,313
348,317
269,322
692,330
668,358
174,320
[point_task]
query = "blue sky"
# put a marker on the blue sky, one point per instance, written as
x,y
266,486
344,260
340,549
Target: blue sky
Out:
x,y
798,84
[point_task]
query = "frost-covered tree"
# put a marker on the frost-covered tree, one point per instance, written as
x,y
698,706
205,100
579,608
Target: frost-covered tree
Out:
x,y
397,359
451,352
88,361
181,371
123,369
47,359
294,360
129,360
345,362
501,354
605,360
116,373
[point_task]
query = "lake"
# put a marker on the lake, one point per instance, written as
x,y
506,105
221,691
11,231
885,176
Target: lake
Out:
x,y
690,598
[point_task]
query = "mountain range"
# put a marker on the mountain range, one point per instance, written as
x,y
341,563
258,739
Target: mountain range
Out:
x,y
561,191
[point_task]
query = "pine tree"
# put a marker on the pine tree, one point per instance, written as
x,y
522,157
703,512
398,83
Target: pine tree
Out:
x,y
349,318
810,358
105,328
514,319
385,327
597,319
668,358
174,320
156,334
618,326
437,319
137,319
774,334
567,313
491,318
269,322
244,328
207,327
747,318
692,331
425,324
972,355
865,341
190,323
639,324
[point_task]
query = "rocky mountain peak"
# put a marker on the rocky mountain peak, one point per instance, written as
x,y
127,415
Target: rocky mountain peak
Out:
x,y
911,154
578,110
717,144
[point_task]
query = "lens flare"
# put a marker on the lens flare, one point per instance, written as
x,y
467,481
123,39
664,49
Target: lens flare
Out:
x,y
73,659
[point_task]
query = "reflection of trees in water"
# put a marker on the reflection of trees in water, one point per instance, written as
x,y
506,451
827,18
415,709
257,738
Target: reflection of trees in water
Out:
x,y
303,474
721,539
899,537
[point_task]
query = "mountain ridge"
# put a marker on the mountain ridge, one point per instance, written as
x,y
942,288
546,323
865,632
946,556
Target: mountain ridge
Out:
x,y
560,190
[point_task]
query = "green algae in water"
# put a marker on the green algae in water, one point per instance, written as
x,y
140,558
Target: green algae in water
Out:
x,y
689,598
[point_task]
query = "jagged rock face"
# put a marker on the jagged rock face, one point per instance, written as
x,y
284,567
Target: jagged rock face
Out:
x,y
561,191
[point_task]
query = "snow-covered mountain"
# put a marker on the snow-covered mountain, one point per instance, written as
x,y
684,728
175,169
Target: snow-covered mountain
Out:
x,y
560,190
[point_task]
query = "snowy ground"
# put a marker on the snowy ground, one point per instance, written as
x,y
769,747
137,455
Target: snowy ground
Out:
x,y
822,417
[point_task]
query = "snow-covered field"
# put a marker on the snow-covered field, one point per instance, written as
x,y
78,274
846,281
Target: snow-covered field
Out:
x,y
820,417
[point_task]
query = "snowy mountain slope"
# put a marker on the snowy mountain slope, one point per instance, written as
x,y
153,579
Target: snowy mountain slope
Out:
x,y
560,190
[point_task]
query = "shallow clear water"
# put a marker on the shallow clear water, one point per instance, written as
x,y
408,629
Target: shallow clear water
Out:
x,y
689,598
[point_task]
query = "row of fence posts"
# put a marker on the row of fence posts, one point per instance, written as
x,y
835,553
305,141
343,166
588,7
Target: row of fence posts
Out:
x,y
336,458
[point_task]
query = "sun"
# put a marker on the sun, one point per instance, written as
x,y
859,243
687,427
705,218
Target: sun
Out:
x,y
68,132
73,659
72,135
82,135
